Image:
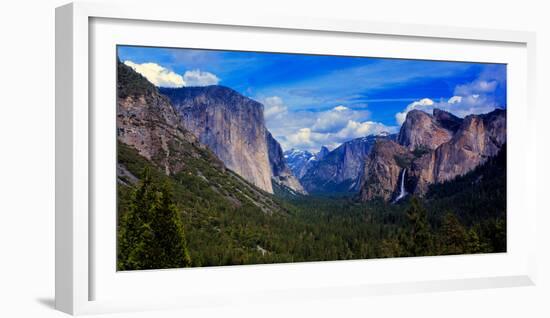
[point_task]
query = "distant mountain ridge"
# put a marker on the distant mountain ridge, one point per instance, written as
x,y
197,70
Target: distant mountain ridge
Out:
x,y
341,169
299,161
280,172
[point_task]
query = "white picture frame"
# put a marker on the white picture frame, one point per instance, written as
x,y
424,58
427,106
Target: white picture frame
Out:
x,y
76,252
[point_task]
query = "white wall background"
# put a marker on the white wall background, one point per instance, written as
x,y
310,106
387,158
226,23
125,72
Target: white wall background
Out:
x,y
27,158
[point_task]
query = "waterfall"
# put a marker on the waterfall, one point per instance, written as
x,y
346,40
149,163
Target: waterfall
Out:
x,y
402,191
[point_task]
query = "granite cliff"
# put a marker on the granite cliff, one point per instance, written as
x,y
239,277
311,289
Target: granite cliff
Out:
x,y
434,149
147,122
280,172
231,125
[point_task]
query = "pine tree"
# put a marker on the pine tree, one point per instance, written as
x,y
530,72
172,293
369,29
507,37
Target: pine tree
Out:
x,y
419,241
453,235
151,233
473,244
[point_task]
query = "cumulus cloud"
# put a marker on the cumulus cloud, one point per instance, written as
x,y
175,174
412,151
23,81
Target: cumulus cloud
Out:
x,y
460,106
163,77
157,74
303,138
200,78
308,138
337,118
274,108
356,129
310,130
477,97
424,104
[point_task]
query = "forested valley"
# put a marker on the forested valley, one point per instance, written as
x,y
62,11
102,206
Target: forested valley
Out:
x,y
186,220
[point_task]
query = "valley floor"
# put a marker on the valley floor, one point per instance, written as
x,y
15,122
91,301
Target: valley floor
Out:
x,y
466,215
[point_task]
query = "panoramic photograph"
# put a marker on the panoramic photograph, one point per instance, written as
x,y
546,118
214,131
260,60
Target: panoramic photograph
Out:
x,y
241,158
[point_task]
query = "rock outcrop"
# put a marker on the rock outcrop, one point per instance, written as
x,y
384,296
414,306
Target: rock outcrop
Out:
x,y
340,170
230,124
422,131
280,172
478,138
437,148
382,170
447,120
149,129
322,153
147,122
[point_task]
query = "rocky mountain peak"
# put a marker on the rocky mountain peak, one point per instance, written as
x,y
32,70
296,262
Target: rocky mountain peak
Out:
x,y
341,169
447,120
147,121
422,131
298,161
434,149
322,153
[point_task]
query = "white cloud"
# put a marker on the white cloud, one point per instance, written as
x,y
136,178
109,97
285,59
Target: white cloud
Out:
x,y
476,87
340,108
477,97
157,74
310,130
274,108
306,138
337,118
200,78
356,129
455,100
425,104
302,138
460,106
163,77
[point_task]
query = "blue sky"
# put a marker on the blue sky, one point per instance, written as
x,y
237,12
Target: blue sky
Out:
x,y
315,100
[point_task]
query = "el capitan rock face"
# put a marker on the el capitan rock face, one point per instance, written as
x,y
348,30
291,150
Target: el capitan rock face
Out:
x,y
231,125
472,141
280,171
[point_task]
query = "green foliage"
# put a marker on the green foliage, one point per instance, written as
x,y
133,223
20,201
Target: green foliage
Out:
x,y
227,221
130,83
478,200
419,240
472,242
453,235
477,196
151,233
